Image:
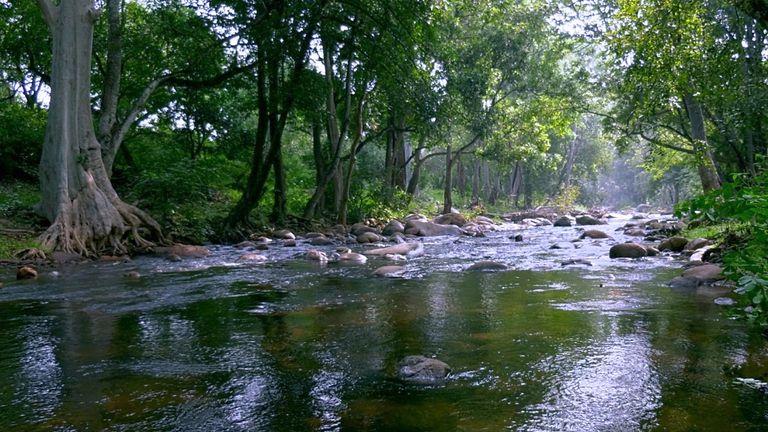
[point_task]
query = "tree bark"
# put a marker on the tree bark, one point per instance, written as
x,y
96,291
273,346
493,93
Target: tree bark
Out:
x,y
705,164
85,212
448,187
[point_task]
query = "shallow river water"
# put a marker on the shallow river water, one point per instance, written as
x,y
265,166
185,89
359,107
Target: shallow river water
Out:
x,y
211,345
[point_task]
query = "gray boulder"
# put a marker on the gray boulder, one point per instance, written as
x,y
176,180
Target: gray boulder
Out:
x,y
594,234
696,244
487,266
627,250
674,244
565,221
588,220
451,219
394,226
422,370
431,229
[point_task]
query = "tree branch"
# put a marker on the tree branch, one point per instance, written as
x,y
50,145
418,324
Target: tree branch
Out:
x,y
50,11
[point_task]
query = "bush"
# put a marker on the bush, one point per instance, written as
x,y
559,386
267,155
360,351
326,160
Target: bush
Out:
x,y
743,206
22,131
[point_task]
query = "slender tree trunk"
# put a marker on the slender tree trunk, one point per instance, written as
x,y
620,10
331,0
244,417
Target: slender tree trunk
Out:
x,y
447,196
254,188
279,207
320,161
85,212
356,143
704,161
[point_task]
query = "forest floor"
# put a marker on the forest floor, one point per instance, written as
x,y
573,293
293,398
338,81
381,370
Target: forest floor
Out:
x,y
19,225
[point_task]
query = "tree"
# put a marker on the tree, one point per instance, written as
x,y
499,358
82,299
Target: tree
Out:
x,y
85,212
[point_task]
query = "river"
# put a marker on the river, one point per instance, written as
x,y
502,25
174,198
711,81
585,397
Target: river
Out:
x,y
290,345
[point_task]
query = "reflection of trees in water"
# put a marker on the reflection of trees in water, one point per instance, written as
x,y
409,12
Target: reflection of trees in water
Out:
x,y
30,375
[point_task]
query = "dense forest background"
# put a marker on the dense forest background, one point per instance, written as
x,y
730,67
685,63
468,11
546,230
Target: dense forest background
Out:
x,y
222,116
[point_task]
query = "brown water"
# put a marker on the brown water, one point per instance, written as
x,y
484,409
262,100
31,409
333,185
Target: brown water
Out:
x,y
207,345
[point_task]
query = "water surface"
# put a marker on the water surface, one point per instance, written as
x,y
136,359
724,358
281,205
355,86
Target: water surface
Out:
x,y
211,344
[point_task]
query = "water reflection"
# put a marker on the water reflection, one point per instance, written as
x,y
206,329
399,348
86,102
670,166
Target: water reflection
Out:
x,y
294,347
611,386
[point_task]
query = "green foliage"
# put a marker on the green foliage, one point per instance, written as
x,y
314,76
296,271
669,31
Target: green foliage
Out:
x,y
366,203
16,202
187,196
21,138
743,204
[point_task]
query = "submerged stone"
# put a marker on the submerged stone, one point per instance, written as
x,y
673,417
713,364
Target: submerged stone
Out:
x,y
419,369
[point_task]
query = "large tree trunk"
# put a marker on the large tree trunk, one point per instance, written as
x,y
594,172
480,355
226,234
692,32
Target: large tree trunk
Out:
x,y
85,212
705,164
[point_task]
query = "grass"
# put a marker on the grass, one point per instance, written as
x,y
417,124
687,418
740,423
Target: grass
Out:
x,y
18,223
712,232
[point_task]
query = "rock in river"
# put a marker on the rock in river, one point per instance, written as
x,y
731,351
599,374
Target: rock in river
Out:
x,y
284,234
316,255
320,241
704,273
26,272
252,257
594,234
368,237
352,257
431,229
422,370
588,220
565,221
184,251
394,226
628,250
674,244
696,244
389,271
451,219
398,249
486,266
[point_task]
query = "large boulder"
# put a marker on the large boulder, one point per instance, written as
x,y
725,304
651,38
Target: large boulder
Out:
x,y
643,208
565,221
360,228
594,234
588,220
431,229
422,370
627,250
696,244
394,226
704,273
368,237
182,250
451,219
487,266
698,275
674,244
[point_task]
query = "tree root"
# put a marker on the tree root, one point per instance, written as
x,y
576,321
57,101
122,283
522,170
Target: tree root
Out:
x,y
100,226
